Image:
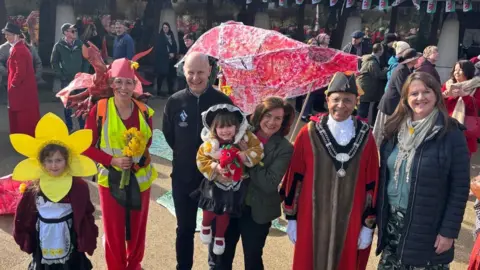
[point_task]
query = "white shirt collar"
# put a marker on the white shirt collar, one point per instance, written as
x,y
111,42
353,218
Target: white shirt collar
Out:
x,y
343,132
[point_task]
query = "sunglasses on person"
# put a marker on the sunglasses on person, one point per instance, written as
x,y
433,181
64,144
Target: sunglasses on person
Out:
x,y
73,31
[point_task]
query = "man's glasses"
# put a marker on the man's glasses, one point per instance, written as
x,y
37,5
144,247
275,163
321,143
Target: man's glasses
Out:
x,y
73,31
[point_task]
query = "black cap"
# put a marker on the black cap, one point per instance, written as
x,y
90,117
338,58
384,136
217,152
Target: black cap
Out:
x,y
12,28
409,55
358,34
67,26
390,37
342,82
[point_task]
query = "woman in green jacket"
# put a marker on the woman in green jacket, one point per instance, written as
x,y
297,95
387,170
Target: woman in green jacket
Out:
x,y
271,122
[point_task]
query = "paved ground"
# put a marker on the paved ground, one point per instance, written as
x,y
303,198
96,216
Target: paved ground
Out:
x,y
160,253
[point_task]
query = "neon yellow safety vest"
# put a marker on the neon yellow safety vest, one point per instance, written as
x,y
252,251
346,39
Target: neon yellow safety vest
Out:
x,y
112,143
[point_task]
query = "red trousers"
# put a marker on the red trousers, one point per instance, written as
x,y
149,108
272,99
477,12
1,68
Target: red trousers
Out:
x,y
221,222
24,121
119,253
474,263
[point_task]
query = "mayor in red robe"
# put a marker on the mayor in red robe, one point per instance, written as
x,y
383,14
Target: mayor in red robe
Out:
x,y
23,106
329,189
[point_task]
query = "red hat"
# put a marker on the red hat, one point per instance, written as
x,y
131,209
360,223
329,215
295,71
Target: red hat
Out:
x,y
123,68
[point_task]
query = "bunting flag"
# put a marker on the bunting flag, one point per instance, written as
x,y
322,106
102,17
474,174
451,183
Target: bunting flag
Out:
x,y
314,2
280,3
416,4
366,4
333,2
298,2
382,4
431,6
450,6
349,3
467,5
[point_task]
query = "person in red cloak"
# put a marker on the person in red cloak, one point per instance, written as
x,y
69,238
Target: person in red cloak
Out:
x,y
23,106
330,186
474,263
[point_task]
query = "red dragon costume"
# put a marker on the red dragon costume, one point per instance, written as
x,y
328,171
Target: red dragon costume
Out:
x,y
96,85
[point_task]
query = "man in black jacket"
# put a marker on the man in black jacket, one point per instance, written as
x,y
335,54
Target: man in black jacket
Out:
x,y
182,124
358,46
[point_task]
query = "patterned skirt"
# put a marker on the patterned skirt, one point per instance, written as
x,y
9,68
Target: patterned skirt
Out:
x,y
389,259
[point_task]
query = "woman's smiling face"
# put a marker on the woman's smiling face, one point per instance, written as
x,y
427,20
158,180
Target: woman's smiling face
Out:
x,y
272,121
123,87
421,99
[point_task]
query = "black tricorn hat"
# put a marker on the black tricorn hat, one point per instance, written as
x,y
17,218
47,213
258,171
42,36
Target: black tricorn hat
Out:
x,y
342,82
12,28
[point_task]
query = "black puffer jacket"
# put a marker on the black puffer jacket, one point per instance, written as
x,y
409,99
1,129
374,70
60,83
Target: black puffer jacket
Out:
x,y
438,195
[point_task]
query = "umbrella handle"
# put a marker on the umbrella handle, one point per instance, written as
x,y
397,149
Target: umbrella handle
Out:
x,y
294,132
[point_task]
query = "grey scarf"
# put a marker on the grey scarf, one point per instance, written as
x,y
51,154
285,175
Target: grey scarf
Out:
x,y
410,136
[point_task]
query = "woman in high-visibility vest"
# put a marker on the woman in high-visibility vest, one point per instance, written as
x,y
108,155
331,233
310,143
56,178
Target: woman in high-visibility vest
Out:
x,y
124,208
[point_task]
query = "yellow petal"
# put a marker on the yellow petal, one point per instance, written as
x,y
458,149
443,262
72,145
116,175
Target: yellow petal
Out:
x,y
26,145
51,127
82,166
55,188
27,170
80,141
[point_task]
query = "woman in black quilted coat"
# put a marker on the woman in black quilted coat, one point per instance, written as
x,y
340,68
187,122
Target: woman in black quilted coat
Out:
x,y
424,180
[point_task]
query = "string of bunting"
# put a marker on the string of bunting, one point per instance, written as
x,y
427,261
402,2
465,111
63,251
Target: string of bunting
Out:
x,y
384,4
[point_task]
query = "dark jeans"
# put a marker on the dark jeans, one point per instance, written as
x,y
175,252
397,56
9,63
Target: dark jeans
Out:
x,y
68,112
253,236
368,110
186,212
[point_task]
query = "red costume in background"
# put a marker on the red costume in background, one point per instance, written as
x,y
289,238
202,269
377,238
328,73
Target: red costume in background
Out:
x,y
23,106
330,210
472,107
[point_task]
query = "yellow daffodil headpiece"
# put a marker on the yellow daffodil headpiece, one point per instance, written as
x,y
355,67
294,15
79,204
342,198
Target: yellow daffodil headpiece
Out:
x,y
134,65
52,130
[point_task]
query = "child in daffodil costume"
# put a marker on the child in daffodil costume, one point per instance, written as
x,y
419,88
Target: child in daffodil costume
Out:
x,y
54,220
221,192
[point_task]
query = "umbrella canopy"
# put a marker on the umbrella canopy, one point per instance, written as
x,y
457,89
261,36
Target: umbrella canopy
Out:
x,y
258,63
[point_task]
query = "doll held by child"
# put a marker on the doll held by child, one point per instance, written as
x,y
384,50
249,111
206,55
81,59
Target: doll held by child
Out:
x,y
222,192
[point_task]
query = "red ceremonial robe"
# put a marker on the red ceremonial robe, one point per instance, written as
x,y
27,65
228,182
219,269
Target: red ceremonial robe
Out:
x,y
331,210
23,106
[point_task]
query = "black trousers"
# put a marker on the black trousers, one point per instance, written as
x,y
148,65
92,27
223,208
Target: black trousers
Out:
x,y
368,110
186,212
171,78
253,236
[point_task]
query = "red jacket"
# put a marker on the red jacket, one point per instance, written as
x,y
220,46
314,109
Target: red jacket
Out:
x,y
472,107
22,85
24,230
475,60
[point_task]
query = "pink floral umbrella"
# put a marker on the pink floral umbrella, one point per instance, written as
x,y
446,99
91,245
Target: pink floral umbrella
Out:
x,y
258,63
